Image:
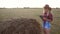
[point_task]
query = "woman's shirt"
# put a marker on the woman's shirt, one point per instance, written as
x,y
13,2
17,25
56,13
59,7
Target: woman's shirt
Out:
x,y
48,16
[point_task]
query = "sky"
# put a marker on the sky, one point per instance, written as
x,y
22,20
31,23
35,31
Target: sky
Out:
x,y
29,3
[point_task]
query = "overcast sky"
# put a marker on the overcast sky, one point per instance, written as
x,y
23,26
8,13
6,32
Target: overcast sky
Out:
x,y
29,3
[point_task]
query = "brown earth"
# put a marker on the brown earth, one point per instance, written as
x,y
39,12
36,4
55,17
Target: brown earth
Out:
x,y
20,26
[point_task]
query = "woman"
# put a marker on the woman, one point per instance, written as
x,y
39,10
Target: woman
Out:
x,y
47,18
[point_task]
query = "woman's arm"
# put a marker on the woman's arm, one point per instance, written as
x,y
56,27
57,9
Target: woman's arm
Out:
x,y
50,18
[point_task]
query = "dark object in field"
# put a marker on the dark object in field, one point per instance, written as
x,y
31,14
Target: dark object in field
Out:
x,y
22,26
41,17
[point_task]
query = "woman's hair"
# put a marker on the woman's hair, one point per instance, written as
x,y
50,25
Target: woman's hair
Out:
x,y
47,7
50,9
22,26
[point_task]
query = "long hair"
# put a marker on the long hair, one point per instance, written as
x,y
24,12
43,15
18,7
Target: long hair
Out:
x,y
47,7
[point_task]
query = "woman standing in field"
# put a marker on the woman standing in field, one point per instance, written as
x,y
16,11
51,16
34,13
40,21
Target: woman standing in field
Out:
x,y
47,19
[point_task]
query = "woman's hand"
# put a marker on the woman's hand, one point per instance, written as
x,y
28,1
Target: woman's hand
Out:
x,y
44,18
